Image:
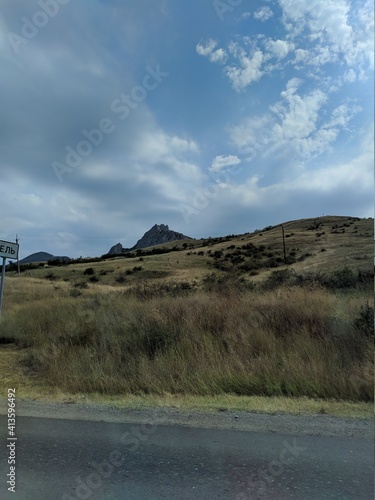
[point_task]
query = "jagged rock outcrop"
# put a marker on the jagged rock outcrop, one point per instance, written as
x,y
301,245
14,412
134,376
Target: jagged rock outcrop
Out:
x,y
159,233
116,249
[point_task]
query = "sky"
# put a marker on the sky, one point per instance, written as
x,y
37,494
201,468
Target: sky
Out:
x,y
215,117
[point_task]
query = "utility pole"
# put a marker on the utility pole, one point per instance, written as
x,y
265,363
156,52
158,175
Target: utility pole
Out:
x,y
282,229
18,260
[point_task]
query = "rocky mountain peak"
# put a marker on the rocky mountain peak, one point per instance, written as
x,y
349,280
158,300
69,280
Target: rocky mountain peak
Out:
x,y
159,233
116,249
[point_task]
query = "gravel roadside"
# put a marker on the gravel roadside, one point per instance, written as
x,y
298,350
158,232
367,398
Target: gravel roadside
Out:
x,y
313,425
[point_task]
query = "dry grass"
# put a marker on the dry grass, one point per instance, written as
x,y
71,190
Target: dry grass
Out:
x,y
290,342
168,331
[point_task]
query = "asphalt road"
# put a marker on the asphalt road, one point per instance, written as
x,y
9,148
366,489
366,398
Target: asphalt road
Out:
x,y
69,459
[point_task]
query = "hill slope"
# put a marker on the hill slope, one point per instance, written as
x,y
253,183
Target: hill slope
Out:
x,y
322,244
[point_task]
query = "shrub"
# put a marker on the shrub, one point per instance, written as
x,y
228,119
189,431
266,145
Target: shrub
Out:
x,y
364,322
343,278
225,284
148,291
279,278
89,271
81,284
50,276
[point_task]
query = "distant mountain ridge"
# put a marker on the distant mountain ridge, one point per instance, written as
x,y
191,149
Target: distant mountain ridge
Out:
x,y
41,257
157,235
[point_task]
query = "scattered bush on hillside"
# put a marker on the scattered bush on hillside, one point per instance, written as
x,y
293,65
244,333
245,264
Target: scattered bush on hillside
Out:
x,y
280,278
59,262
226,283
342,278
364,322
148,290
50,276
81,284
89,271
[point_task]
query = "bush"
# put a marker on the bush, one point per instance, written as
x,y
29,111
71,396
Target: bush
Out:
x,y
89,271
148,291
343,278
364,323
81,284
279,278
225,284
50,276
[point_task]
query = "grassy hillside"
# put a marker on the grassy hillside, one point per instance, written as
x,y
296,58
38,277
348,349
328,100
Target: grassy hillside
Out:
x,y
319,245
205,317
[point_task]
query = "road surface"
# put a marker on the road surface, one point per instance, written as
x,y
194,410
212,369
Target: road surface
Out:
x,y
59,458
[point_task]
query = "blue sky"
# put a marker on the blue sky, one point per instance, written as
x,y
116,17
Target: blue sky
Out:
x,y
214,117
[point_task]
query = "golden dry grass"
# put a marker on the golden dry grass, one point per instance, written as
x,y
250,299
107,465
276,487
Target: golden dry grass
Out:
x,y
293,342
144,335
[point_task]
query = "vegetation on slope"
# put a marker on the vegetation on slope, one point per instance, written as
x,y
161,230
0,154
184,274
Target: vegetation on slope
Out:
x,y
206,317
220,337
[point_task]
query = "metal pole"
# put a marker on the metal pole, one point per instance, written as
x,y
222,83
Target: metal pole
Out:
x,y
2,285
18,259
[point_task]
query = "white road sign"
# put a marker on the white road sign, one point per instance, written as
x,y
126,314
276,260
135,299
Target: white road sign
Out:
x,y
9,250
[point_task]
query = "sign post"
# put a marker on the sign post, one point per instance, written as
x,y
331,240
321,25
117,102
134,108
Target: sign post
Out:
x,y
8,250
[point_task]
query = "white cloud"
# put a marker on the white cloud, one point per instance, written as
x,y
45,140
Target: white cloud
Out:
x,y
263,14
332,31
248,69
298,129
219,56
316,190
250,134
222,161
207,50
342,115
358,172
301,56
298,114
279,48
350,76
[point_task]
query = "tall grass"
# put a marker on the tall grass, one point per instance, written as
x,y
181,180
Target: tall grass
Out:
x,y
296,342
